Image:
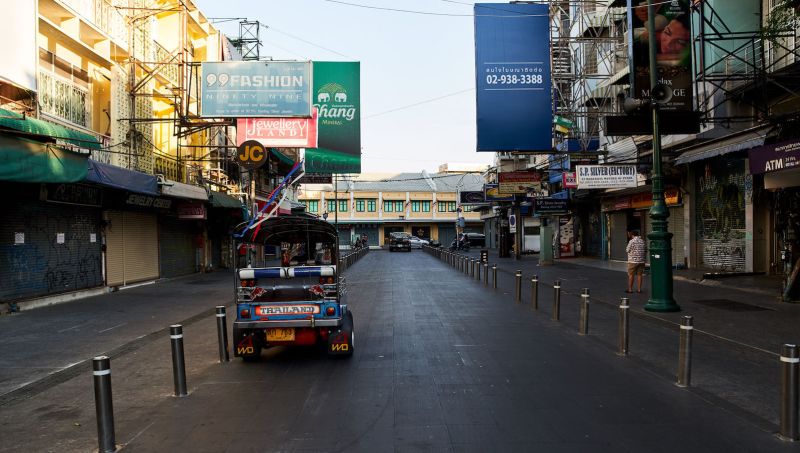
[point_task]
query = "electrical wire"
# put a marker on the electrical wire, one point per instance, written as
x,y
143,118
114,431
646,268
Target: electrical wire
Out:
x,y
515,14
426,101
270,27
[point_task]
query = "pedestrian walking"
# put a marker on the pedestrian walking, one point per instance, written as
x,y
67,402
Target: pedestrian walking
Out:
x,y
636,250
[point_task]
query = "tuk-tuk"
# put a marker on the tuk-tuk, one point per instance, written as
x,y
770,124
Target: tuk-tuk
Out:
x,y
295,297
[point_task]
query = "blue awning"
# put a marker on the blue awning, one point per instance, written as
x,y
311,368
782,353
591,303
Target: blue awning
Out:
x,y
120,178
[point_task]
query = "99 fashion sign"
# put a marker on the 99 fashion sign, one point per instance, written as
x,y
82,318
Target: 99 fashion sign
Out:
x,y
337,98
512,77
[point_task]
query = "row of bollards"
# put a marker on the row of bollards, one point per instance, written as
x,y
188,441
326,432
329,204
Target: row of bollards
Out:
x,y
789,356
101,371
348,260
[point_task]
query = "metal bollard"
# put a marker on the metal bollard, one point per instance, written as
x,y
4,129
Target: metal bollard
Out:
x,y
178,364
624,327
583,326
103,404
472,268
494,275
556,300
518,286
790,362
485,274
222,334
535,292
685,353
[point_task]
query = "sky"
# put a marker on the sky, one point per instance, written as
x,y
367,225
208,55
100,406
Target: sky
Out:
x,y
417,70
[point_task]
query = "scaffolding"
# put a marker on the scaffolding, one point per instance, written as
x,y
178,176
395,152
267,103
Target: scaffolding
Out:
x,y
587,43
249,41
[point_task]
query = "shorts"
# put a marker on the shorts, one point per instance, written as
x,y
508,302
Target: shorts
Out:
x,y
635,268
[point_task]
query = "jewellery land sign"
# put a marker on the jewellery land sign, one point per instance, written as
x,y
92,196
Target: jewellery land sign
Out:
x,y
606,176
279,132
673,50
518,182
256,89
512,70
337,97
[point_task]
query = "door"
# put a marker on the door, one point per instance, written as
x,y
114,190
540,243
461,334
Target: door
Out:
x,y
131,247
619,235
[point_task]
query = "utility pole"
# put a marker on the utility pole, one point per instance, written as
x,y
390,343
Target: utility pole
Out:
x,y
661,299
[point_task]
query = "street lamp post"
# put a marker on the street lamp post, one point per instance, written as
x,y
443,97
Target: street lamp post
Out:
x,y
661,299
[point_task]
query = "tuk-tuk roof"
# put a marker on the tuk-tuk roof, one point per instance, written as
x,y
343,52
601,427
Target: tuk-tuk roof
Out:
x,y
289,228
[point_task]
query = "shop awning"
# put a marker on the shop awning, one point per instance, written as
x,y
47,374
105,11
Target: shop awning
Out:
x,y
30,161
15,121
123,179
222,200
731,144
180,190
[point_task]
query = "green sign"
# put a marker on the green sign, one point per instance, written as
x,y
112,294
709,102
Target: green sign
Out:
x,y
337,97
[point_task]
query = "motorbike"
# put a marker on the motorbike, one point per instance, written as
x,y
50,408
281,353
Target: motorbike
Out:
x,y
462,245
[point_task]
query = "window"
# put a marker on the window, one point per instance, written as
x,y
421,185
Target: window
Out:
x,y
415,206
371,205
466,208
388,206
331,205
398,206
359,205
447,206
342,205
312,205
426,206
441,206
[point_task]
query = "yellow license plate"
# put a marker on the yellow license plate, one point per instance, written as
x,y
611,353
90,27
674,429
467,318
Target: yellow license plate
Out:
x,y
280,334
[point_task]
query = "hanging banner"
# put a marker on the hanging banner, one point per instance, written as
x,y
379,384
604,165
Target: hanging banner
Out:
x,y
569,180
492,193
606,176
256,89
337,97
673,51
472,197
518,182
279,132
512,71
778,156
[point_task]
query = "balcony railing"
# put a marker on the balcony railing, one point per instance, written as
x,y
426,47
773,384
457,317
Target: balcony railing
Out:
x,y
103,15
64,99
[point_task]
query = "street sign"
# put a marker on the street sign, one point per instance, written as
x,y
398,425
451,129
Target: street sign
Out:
x,y
251,154
512,223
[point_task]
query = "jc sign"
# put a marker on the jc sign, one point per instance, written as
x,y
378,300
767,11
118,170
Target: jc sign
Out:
x,y
251,154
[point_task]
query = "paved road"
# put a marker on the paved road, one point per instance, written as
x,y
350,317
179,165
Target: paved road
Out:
x,y
442,364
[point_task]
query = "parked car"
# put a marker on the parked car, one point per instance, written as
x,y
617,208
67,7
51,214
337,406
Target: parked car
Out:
x,y
417,243
476,239
399,241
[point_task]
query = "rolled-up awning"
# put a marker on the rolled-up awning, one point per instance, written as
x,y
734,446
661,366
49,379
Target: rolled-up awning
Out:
x,y
180,190
31,161
17,122
730,144
222,200
121,178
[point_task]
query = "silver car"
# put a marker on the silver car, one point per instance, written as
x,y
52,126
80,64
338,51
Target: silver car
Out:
x,y
417,243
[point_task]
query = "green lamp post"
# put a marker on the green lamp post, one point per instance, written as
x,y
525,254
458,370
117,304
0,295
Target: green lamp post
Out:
x,y
661,299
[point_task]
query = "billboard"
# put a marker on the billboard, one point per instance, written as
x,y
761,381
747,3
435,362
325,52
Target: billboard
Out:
x,y
673,51
279,132
512,77
606,176
518,182
337,97
256,89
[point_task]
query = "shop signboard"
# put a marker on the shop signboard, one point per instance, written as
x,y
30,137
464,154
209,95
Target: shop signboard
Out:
x,y
279,132
521,182
512,71
544,206
472,197
673,51
251,154
606,176
775,157
189,210
337,97
569,180
492,193
316,178
256,89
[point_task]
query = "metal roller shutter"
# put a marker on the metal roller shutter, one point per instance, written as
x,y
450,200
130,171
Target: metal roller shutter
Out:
x,y
178,254
131,247
676,228
619,235
47,249
446,234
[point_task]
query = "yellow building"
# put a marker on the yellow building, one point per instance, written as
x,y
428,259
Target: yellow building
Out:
x,y
424,205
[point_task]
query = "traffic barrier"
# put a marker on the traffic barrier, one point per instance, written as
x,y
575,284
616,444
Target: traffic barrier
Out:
x,y
222,334
624,327
485,274
556,315
685,352
790,361
535,292
518,286
494,276
583,325
178,362
103,404
472,267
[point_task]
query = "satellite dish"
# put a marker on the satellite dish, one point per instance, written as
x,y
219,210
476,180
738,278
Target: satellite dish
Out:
x,y
631,105
661,94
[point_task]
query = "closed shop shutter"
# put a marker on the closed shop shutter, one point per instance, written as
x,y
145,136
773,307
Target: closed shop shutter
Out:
x,y
47,248
619,235
446,234
131,247
371,232
178,254
676,228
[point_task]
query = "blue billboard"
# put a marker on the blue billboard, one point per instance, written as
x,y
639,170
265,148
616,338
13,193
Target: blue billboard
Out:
x,y
256,89
512,72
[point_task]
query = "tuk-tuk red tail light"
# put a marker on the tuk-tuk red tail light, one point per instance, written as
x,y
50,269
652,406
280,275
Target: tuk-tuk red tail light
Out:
x,y
326,280
244,313
330,311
